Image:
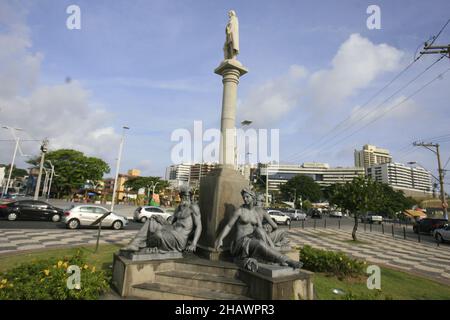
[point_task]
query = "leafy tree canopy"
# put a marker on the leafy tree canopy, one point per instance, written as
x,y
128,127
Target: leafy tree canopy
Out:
x,y
303,186
146,182
17,172
73,169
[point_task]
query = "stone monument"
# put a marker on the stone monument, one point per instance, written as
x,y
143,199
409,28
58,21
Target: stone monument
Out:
x,y
220,189
159,263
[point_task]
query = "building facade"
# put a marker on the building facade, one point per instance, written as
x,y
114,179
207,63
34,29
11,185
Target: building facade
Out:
x,y
371,155
321,173
108,184
413,181
181,174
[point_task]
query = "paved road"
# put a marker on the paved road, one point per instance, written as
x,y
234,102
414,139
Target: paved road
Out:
x,y
344,224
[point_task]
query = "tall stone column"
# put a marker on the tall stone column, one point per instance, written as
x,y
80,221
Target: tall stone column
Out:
x,y
220,190
230,70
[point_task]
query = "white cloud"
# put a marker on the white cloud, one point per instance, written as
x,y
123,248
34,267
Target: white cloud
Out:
x,y
66,114
274,99
357,63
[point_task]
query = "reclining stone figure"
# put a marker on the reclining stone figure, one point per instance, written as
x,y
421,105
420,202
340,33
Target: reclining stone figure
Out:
x,y
252,243
161,236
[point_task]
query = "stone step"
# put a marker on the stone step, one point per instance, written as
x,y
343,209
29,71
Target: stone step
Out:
x,y
202,280
217,268
159,291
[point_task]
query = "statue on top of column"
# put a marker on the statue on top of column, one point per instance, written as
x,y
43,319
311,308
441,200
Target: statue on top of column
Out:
x,y
231,46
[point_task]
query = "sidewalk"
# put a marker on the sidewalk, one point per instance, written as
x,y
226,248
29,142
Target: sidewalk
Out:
x,y
424,259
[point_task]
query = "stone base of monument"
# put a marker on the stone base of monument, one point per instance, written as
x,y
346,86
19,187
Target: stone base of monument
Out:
x,y
194,278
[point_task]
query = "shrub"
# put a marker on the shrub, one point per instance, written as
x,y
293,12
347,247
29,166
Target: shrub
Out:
x,y
47,279
336,263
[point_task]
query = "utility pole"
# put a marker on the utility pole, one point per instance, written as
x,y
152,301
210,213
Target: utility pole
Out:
x,y
122,140
51,179
11,168
436,49
267,185
44,150
429,146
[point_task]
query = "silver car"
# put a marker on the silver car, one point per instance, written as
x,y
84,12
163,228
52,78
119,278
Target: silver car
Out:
x,y
85,215
442,234
143,213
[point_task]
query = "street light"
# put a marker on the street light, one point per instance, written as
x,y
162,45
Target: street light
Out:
x,y
51,179
11,168
243,124
122,140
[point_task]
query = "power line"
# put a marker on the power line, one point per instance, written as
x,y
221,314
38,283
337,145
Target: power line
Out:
x,y
370,112
305,151
397,105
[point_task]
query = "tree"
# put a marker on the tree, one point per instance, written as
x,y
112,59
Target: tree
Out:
x,y
301,186
146,182
357,197
364,195
17,172
73,169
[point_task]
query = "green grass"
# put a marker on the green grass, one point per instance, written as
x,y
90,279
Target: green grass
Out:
x,y
395,285
357,242
102,259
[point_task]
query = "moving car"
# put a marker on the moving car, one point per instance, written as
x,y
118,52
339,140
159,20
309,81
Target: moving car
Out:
x,y
279,217
30,210
85,215
143,213
315,214
428,225
295,214
442,234
372,217
335,214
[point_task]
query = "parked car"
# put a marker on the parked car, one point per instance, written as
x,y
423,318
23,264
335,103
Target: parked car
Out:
x,y
295,214
86,215
442,234
428,225
30,210
143,213
315,214
335,214
372,217
279,217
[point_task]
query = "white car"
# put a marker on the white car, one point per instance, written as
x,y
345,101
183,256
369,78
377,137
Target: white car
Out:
x,y
86,215
335,214
295,214
279,217
442,234
143,213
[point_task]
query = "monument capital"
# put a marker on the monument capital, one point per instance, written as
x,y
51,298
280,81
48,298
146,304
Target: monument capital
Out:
x,y
232,64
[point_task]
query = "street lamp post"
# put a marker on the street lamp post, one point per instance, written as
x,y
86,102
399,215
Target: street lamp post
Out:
x,y
51,179
236,157
122,140
41,166
11,168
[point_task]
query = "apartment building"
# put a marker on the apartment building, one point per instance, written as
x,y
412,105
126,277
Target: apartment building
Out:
x,y
413,181
371,155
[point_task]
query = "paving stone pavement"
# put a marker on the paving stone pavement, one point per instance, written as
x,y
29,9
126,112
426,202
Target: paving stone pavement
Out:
x,y
17,240
418,258
423,259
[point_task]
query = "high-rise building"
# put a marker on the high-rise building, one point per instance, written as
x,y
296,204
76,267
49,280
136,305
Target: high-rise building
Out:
x,y
371,155
413,181
321,173
179,174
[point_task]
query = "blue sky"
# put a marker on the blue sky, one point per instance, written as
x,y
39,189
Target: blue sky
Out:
x,y
149,65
